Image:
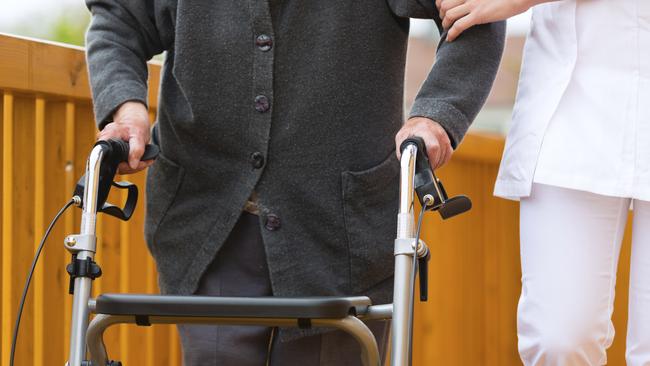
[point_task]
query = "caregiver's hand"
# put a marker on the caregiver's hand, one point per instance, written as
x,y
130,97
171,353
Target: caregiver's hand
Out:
x,y
459,15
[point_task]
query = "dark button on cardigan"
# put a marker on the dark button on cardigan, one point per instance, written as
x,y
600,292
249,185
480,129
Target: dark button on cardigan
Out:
x,y
264,42
262,103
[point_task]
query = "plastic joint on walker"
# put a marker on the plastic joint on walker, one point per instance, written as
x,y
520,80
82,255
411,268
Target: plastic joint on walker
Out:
x,y
82,268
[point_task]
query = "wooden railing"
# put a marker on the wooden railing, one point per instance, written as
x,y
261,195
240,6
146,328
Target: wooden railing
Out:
x,y
47,131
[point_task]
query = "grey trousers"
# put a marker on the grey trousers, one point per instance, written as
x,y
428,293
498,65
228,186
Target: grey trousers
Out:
x,y
240,269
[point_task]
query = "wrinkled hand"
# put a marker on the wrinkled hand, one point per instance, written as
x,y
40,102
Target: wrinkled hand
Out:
x,y
435,138
459,15
130,123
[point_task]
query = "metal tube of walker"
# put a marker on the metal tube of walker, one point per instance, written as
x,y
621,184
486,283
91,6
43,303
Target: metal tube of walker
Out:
x,y
401,326
83,285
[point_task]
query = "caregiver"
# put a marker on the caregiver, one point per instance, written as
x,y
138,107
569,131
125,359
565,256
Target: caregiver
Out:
x,y
577,157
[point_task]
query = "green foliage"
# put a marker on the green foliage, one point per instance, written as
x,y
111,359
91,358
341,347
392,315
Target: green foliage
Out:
x,y
66,24
69,28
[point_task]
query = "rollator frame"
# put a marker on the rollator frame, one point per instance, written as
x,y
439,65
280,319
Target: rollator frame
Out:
x,y
344,313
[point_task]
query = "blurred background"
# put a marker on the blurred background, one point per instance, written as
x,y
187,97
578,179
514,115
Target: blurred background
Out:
x,y
65,21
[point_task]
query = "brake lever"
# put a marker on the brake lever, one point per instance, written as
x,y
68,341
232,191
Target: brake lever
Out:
x,y
423,268
426,183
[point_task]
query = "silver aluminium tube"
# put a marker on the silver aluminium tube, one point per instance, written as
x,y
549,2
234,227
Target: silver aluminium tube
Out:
x,y
83,285
402,299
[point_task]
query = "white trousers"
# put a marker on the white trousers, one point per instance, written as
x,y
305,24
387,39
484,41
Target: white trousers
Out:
x,y
570,244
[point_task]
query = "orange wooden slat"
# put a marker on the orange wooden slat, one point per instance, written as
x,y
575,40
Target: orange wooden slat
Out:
x,y
53,256
138,255
125,278
1,210
39,210
7,224
69,219
616,352
23,220
174,346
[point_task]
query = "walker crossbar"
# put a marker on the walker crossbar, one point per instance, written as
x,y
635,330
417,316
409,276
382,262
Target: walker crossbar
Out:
x,y
350,324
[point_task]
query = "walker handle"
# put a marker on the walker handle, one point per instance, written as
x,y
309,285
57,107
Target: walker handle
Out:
x,y
426,183
116,152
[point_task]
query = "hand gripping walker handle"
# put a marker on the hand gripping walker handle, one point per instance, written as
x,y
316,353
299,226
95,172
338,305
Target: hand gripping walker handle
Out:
x,y
115,152
426,183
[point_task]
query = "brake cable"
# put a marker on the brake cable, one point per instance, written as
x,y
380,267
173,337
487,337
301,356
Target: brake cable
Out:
x,y
73,201
414,273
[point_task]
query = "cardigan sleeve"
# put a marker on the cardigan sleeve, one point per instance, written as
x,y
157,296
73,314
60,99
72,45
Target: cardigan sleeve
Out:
x,y
123,35
463,73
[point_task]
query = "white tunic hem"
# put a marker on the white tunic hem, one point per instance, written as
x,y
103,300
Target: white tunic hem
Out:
x,y
515,190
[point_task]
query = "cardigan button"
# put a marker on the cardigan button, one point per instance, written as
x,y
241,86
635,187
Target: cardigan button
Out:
x,y
257,160
264,42
262,103
272,222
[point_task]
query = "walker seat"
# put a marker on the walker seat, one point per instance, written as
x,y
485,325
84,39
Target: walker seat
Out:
x,y
232,307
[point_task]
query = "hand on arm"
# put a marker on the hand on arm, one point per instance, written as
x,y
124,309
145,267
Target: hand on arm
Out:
x,y
130,123
456,87
459,15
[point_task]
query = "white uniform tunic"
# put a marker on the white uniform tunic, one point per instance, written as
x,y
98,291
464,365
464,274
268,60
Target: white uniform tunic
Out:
x,y
582,115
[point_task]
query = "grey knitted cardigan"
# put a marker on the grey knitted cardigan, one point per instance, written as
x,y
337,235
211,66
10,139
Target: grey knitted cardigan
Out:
x,y
305,117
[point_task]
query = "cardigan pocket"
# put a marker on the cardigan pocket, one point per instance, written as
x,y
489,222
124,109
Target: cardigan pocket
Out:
x,y
370,201
164,179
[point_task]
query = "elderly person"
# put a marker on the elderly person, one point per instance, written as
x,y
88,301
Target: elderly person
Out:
x,y
577,156
277,126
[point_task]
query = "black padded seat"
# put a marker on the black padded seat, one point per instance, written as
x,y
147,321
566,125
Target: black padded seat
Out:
x,y
232,307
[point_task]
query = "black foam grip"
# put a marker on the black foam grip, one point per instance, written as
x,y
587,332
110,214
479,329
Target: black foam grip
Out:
x,y
115,150
414,140
151,152
118,150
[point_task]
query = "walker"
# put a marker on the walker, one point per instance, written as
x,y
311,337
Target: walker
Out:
x,y
344,313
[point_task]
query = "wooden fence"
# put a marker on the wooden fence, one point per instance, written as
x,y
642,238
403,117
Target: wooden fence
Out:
x,y
47,131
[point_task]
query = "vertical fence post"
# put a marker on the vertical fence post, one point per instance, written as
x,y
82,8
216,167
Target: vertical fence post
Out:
x,y
174,352
125,276
68,151
7,224
39,208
